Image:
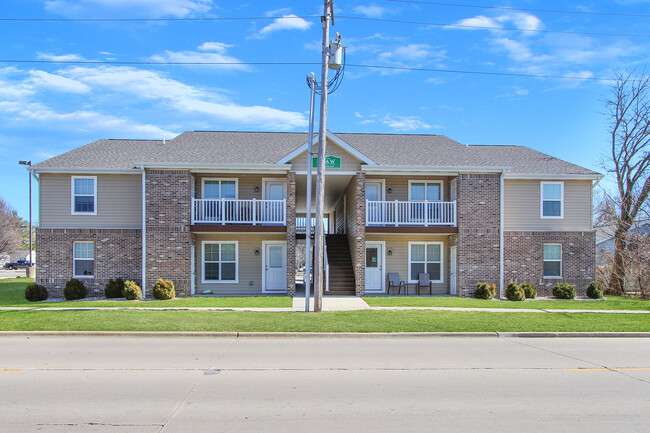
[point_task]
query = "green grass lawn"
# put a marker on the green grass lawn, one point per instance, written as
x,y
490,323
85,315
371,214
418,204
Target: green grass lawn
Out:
x,y
611,303
12,294
352,321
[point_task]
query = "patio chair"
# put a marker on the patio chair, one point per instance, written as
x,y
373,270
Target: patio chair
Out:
x,y
424,281
395,282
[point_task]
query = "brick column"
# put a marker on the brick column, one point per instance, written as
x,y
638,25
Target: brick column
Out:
x,y
478,231
168,214
291,233
359,242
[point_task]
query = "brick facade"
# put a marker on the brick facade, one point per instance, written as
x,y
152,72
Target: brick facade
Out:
x,y
168,217
524,259
478,231
118,254
291,233
357,237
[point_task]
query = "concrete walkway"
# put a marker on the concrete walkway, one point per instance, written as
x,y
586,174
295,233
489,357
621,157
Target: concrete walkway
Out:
x,y
332,303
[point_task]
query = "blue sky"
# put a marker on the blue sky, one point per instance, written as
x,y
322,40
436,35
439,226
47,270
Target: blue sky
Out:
x,y
47,109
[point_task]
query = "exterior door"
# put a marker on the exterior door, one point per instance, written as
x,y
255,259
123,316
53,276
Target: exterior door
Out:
x,y
273,212
452,270
374,267
376,211
275,267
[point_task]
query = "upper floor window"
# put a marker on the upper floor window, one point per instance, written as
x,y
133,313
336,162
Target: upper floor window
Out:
x,y
552,199
84,195
219,188
425,191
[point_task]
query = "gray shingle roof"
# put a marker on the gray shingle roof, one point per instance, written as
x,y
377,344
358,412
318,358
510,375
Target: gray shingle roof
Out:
x,y
212,147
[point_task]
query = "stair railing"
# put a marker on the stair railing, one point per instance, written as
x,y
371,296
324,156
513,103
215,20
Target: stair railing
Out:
x,y
327,266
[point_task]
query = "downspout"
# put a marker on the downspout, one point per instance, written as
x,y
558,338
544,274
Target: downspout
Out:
x,y
501,248
144,232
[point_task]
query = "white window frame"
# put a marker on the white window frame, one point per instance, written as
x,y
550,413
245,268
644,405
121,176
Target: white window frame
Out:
x,y
552,277
442,260
236,280
73,195
74,259
541,200
220,179
425,182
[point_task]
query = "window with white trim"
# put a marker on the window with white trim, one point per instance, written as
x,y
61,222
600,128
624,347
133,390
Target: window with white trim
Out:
x,y
552,198
427,258
83,254
219,188
84,195
219,262
425,191
552,260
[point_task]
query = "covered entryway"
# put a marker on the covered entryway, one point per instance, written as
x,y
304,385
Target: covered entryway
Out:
x,y
274,273
375,269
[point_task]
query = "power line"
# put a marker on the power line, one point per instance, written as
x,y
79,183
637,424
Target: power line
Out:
x,y
466,26
508,8
400,68
309,17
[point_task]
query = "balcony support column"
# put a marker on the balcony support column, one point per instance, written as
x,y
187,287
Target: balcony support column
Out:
x,y
290,215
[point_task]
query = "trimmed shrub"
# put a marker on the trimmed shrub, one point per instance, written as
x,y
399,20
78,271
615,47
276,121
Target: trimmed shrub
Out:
x,y
483,291
114,288
35,293
564,291
132,291
163,290
529,290
594,291
74,289
514,292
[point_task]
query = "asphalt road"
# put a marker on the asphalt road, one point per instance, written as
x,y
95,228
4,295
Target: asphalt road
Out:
x,y
135,384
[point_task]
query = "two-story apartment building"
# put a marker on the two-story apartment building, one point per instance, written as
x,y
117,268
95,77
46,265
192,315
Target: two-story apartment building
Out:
x,y
223,213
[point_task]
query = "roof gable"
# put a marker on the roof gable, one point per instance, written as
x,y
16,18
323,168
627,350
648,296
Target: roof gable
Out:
x,y
334,139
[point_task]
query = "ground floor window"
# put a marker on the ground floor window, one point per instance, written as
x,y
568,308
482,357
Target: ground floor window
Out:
x,y
219,262
83,254
552,260
427,258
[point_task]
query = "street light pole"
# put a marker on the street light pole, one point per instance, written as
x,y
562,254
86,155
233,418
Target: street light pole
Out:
x,y
320,178
29,173
311,81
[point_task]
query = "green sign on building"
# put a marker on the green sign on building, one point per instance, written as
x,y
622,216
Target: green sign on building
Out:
x,y
330,162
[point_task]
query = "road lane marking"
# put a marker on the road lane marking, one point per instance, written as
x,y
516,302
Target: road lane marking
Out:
x,y
9,371
609,369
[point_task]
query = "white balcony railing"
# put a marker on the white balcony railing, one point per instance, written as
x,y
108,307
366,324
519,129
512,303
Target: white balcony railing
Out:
x,y
411,213
232,211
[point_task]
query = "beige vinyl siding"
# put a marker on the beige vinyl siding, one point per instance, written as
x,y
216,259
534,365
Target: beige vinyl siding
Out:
x,y
349,162
339,217
399,261
522,207
249,266
246,183
400,185
119,202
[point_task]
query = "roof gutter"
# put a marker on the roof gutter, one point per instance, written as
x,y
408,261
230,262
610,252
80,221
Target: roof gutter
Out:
x,y
558,176
85,170
213,167
431,169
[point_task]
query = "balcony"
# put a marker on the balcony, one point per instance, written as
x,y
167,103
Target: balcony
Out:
x,y
227,211
411,213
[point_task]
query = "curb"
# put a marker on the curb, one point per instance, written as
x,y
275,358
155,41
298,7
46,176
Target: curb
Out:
x,y
325,334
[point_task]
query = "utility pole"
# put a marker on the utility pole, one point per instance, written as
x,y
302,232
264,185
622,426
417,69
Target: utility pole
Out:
x,y
311,81
320,174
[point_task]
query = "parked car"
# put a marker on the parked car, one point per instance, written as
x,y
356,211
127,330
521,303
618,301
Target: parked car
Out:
x,y
20,263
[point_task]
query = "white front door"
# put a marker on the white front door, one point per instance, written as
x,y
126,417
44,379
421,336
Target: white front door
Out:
x,y
275,267
374,267
273,212
374,191
452,270
274,190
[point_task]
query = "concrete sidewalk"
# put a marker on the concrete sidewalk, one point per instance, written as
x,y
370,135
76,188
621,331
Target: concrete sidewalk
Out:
x,y
332,303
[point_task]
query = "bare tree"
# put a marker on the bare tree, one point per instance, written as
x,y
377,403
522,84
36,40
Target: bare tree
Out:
x,y
10,239
628,112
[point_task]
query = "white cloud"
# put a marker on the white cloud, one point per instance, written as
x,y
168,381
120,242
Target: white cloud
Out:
x,y
411,52
371,11
211,52
61,58
179,96
404,123
477,21
286,22
114,8
58,83
518,20
518,51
